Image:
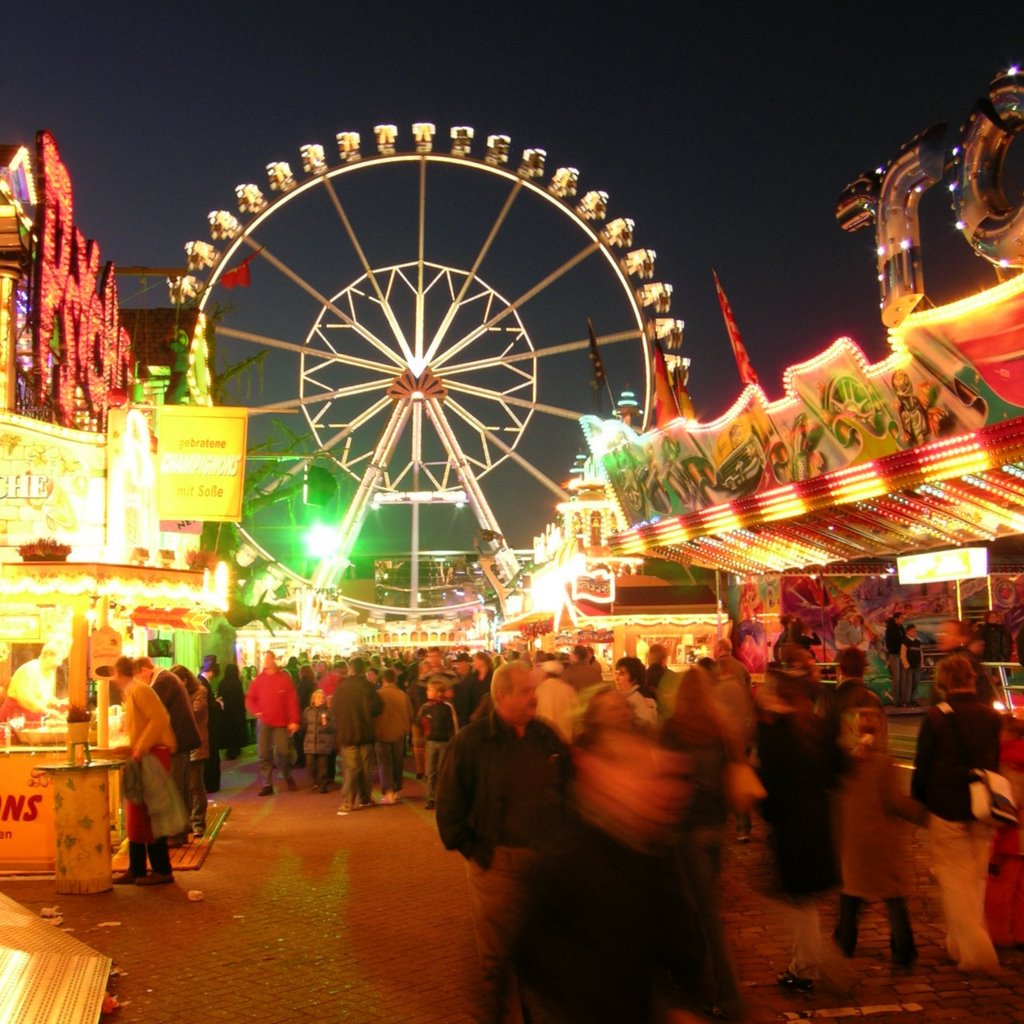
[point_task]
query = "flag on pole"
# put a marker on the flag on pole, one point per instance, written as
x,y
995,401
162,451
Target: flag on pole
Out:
x,y
679,375
599,376
238,277
665,407
747,373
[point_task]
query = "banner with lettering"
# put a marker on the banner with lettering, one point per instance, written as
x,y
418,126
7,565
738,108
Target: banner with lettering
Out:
x,y
201,462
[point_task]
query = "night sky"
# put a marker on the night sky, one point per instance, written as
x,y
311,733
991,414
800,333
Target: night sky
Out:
x,y
726,137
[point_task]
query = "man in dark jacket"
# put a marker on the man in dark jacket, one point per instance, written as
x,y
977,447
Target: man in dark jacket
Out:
x,y
355,704
894,638
500,795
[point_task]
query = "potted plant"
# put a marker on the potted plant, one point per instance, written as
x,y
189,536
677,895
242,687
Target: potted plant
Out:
x,y
199,559
44,549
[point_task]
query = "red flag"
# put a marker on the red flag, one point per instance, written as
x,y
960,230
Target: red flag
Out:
x,y
679,377
665,407
746,368
238,277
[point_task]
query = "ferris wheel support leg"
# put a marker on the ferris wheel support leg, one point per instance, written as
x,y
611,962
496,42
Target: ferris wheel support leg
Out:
x,y
508,564
352,521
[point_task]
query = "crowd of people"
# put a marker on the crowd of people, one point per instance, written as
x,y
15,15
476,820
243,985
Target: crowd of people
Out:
x,y
580,794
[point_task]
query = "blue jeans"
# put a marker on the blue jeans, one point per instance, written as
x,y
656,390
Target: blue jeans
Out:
x,y
355,774
271,739
435,751
391,758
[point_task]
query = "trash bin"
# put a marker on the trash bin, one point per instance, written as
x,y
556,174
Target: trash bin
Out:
x,y
81,817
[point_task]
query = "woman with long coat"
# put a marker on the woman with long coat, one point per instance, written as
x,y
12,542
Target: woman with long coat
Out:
x,y
235,729
797,770
875,859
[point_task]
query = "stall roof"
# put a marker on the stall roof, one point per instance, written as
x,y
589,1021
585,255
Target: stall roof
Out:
x,y
967,489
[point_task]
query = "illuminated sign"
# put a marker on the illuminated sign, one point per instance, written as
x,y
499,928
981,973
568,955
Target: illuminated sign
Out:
x,y
19,628
201,462
80,351
938,566
456,497
598,585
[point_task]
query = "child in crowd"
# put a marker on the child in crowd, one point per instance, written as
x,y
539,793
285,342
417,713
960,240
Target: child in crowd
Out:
x,y
440,723
874,844
318,722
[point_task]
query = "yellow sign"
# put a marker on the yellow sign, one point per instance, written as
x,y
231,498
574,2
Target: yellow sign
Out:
x,y
939,566
200,462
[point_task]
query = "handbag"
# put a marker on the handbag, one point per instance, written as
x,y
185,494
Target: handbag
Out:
x,y
742,787
992,799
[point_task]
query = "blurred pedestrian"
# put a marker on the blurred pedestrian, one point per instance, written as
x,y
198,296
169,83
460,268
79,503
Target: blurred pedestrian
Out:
x,y
355,704
958,734
875,858
699,728
630,680
796,769
1004,894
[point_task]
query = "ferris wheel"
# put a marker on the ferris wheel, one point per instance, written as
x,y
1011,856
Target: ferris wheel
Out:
x,y
418,309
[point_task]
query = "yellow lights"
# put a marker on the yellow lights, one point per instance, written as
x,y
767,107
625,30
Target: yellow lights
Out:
x,y
462,140
385,134
639,263
532,164
223,224
348,147
201,255
593,206
313,158
656,296
564,182
619,232
962,308
497,150
280,177
128,585
250,199
423,136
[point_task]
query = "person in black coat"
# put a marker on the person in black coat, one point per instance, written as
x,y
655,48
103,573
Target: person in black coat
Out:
x,y
207,674
958,734
235,730
797,770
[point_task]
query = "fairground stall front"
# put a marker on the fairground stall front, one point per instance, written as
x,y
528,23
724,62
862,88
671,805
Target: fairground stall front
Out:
x,y
805,503
86,573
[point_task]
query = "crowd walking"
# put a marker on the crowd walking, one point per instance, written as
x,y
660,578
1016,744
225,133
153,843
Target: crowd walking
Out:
x,y
601,818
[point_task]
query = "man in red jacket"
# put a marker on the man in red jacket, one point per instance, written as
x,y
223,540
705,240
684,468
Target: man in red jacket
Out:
x,y
274,704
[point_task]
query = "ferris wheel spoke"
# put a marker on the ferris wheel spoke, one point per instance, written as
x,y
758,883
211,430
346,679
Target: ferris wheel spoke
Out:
x,y
441,332
389,313
421,236
549,350
497,396
305,350
530,293
327,396
355,423
489,437
325,302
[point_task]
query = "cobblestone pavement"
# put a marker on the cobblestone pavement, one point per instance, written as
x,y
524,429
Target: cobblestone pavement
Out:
x,y
312,917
